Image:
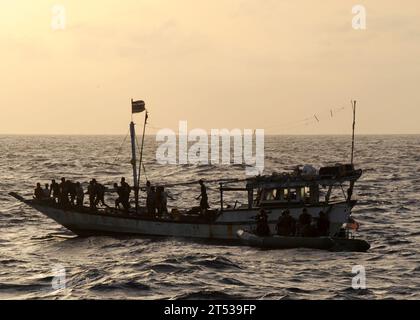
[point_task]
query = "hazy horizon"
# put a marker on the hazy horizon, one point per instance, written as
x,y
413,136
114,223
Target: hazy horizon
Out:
x,y
289,68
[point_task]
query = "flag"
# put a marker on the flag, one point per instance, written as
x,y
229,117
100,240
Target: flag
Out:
x,y
137,106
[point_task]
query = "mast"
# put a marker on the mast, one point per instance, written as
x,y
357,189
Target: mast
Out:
x,y
353,103
136,107
350,189
142,145
134,159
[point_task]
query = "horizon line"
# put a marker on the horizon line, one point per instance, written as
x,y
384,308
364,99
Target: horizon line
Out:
x,y
268,134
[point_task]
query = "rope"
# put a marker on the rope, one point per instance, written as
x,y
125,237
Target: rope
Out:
x,y
119,150
144,169
308,120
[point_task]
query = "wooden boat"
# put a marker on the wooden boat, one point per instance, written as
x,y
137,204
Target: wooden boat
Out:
x,y
274,193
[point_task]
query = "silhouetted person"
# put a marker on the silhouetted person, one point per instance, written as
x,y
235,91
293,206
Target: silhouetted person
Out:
x,y
99,193
323,224
38,192
161,200
204,202
91,191
55,190
122,197
263,230
159,195
148,190
80,194
125,194
165,196
64,193
119,192
151,201
71,188
286,224
47,191
305,220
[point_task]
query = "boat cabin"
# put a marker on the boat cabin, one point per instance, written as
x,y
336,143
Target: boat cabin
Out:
x,y
297,188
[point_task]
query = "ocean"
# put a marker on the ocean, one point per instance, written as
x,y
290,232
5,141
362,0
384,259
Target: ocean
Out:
x,y
33,247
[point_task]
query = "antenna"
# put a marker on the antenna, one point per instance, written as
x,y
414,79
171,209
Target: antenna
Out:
x,y
353,104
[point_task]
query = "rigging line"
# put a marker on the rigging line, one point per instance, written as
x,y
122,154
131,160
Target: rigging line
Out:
x,y
206,181
329,111
144,168
119,150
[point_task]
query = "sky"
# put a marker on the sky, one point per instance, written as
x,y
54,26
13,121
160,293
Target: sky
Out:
x,y
286,66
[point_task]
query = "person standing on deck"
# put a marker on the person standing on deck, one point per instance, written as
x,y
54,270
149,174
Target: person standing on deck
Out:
x,y
204,202
125,194
159,198
151,201
38,192
71,187
120,192
55,189
64,192
91,192
99,193
165,196
148,190
47,191
80,195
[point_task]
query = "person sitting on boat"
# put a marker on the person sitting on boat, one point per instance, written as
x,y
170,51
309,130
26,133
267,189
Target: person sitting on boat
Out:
x,y
204,202
286,224
263,230
55,189
305,220
80,194
323,224
47,191
38,192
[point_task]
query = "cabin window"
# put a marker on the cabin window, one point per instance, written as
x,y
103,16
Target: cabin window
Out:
x,y
270,194
291,194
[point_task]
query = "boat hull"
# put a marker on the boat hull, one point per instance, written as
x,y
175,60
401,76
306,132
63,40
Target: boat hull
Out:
x,y
87,224
223,227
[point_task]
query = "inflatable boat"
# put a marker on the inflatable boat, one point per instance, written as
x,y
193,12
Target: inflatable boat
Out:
x,y
321,243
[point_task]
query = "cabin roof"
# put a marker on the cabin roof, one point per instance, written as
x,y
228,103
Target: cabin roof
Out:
x,y
298,180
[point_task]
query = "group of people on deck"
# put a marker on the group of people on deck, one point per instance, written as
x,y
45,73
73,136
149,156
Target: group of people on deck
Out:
x,y
288,226
64,193
156,199
68,193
